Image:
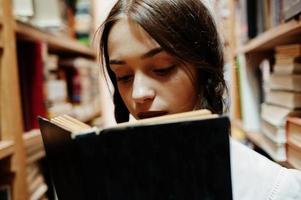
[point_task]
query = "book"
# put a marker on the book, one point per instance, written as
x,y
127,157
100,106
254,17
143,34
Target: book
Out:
x,y
180,156
252,18
286,69
276,150
23,8
250,95
276,12
267,14
277,115
285,82
294,155
283,59
31,73
46,14
291,100
260,16
293,50
293,131
293,128
276,134
291,8
265,69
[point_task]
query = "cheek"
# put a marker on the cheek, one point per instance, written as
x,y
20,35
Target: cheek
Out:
x,y
124,92
126,95
180,90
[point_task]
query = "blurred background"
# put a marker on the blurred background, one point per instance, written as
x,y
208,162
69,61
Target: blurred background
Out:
x,y
49,66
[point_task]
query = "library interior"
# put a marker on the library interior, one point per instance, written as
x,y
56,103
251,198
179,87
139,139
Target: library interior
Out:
x,y
51,65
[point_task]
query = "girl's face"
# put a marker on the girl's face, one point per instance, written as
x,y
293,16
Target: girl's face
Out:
x,y
150,81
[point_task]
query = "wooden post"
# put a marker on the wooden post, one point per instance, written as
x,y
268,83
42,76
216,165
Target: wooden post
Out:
x,y
235,94
11,113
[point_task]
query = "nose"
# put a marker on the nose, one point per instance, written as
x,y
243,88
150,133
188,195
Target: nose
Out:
x,y
142,88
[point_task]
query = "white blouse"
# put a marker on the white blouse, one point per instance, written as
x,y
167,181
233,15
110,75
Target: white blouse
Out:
x,y
256,177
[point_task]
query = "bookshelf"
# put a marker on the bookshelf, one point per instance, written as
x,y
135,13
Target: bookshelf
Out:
x,y
20,149
55,42
254,51
34,145
285,33
6,149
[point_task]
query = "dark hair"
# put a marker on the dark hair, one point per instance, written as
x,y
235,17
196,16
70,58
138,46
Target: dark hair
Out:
x,y
184,29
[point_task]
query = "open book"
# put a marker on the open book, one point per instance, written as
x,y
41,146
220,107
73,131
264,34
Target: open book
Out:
x,y
180,156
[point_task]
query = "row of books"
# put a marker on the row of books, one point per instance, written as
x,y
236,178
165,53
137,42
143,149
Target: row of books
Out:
x,y
72,18
37,186
52,85
261,15
282,100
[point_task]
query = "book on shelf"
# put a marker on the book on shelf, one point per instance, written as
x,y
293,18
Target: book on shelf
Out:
x,y
250,94
294,155
82,76
291,50
258,16
291,100
47,14
180,155
282,59
291,8
276,12
32,171
276,150
31,73
35,179
286,69
276,134
83,21
276,115
293,129
265,71
285,82
40,192
23,9
288,59
252,18
267,14
51,62
56,90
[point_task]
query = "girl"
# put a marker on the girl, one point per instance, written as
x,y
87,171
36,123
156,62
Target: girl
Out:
x,y
164,57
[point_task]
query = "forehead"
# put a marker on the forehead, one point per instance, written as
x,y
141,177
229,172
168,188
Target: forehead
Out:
x,y
127,38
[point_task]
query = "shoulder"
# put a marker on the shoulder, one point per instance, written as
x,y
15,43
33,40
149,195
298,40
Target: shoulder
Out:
x,y
256,177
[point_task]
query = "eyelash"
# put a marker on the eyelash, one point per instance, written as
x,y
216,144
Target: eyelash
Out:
x,y
159,72
164,71
125,78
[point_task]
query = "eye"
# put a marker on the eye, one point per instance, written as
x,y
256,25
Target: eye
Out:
x,y
124,79
164,71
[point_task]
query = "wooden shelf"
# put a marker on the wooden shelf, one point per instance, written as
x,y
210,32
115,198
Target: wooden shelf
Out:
x,y
38,194
34,145
55,42
283,34
6,149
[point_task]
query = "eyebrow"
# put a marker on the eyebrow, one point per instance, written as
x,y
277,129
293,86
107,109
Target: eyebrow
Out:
x,y
148,54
